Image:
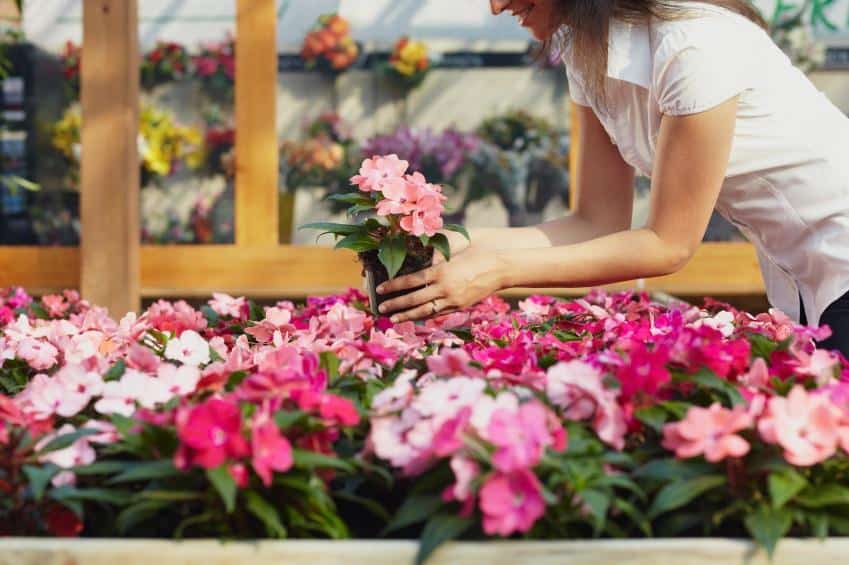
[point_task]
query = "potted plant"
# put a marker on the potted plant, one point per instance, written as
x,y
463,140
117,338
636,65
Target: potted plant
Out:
x,y
408,65
329,47
400,216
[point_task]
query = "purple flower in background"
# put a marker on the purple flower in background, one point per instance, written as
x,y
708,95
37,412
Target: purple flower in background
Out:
x,y
439,156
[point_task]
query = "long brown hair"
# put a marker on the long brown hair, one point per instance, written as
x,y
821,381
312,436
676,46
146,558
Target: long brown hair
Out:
x,y
586,25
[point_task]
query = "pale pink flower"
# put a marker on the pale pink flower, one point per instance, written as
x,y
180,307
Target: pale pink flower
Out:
x,y
710,432
399,197
120,397
578,389
39,355
77,454
723,322
822,364
178,381
343,321
804,424
450,362
225,305
465,470
426,217
520,437
397,396
108,432
511,503
219,346
375,172
446,397
46,396
757,376
190,349
277,320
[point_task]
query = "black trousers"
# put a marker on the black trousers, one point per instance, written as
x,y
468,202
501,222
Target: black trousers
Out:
x,y
836,317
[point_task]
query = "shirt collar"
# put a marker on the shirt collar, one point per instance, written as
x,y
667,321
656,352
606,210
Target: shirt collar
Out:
x,y
629,55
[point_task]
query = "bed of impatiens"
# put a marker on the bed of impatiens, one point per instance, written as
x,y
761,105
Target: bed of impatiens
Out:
x,y
611,416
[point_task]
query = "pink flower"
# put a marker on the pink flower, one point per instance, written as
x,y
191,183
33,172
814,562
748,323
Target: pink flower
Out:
x,y
39,355
578,388
710,432
823,365
426,217
334,409
271,450
212,431
806,425
375,172
225,305
465,470
644,373
190,349
451,362
511,503
757,376
519,437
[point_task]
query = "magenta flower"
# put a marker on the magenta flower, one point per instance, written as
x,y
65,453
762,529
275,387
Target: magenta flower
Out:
x,y
511,503
213,433
710,432
271,451
806,425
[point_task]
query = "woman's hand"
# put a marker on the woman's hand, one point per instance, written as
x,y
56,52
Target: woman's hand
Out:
x,y
452,285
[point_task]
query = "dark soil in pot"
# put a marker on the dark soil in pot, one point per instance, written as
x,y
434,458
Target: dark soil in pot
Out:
x,y
418,257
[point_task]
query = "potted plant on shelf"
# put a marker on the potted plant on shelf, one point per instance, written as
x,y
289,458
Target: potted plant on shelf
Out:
x,y
399,218
329,47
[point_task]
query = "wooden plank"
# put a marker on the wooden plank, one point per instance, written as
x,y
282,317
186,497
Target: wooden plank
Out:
x,y
109,201
40,269
256,123
719,269
701,551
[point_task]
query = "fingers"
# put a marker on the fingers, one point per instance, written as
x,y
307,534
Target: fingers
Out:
x,y
424,311
407,282
411,300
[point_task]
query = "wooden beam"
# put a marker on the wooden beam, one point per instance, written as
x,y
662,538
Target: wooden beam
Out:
x,y
109,202
256,123
40,270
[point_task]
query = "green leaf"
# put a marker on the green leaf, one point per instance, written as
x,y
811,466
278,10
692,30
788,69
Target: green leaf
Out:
x,y
310,460
652,416
39,477
349,198
117,497
598,502
67,440
817,496
458,229
138,513
331,227
393,251
783,485
116,371
368,503
441,244
679,493
415,509
124,425
225,485
170,495
671,470
145,471
330,362
708,379
286,419
359,242
102,468
767,525
439,529
265,513
638,518
762,346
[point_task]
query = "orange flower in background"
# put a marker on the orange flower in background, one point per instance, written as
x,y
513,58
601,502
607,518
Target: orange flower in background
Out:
x,y
329,44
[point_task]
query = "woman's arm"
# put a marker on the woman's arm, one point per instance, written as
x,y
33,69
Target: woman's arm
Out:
x,y
605,198
690,167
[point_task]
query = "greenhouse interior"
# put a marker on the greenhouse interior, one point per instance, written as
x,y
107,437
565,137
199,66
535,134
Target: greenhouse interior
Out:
x,y
424,281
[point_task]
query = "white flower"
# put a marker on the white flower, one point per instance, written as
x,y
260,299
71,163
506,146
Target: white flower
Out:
x,y
190,349
120,397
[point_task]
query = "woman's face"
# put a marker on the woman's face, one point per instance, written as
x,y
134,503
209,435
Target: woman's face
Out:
x,y
541,17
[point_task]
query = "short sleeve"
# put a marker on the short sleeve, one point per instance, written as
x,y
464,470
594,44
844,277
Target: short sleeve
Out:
x,y
693,74
576,87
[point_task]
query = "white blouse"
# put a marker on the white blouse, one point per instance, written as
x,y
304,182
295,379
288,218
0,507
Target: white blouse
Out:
x,y
787,182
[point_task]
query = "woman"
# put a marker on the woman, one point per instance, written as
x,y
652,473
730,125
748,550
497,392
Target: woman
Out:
x,y
698,97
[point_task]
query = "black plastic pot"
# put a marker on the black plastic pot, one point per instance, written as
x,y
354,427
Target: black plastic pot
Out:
x,y
375,274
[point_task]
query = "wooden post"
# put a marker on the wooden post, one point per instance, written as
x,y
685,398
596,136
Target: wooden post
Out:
x,y
256,124
109,202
